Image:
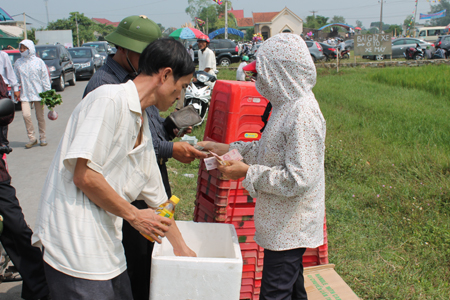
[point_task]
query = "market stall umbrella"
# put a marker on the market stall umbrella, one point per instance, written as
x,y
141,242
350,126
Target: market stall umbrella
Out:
x,y
358,28
186,33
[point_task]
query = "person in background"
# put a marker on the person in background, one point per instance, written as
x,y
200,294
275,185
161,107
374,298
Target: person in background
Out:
x,y
16,235
341,46
191,52
32,75
105,161
131,37
240,75
9,78
206,57
284,170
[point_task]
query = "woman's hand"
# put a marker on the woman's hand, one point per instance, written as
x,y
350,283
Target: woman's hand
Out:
x,y
234,170
218,148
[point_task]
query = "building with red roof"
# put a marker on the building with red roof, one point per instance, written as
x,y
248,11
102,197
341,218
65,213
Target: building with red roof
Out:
x,y
105,21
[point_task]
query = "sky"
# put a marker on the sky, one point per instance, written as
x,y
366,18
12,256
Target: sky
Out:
x,y
171,13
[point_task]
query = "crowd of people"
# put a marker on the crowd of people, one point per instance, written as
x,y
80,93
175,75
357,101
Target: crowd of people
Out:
x,y
109,172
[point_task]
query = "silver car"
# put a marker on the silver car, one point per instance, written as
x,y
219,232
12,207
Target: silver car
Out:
x,y
400,45
315,50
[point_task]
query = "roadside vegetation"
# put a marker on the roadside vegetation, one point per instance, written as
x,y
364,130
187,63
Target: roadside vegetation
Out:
x,y
387,179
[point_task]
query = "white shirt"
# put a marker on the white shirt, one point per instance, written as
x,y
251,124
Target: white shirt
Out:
x,y
240,75
342,46
286,171
207,59
7,71
80,238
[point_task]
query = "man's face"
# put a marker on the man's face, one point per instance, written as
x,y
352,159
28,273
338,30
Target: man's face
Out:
x,y
22,48
202,45
134,59
170,91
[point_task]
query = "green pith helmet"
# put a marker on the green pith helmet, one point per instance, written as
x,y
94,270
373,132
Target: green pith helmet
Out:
x,y
135,33
245,58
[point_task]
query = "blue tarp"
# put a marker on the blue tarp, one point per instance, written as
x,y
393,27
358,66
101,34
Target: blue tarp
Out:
x,y
222,30
4,16
337,24
437,15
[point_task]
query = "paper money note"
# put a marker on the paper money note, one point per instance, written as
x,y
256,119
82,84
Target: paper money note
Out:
x,y
211,163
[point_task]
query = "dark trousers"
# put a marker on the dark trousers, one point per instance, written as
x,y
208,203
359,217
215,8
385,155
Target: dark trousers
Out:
x,y
65,287
4,136
138,250
16,239
283,275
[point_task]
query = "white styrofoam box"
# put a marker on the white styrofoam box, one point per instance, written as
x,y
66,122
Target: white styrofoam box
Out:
x,y
214,274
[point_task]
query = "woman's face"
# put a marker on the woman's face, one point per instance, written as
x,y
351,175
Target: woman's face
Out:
x,y
22,48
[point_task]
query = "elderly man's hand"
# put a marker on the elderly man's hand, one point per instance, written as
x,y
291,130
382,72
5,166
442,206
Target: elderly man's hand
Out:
x,y
185,153
151,224
218,148
234,170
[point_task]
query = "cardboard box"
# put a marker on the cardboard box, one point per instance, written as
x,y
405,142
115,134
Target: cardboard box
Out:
x,y
323,283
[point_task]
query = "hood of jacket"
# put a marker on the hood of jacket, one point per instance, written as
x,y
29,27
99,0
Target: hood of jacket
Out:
x,y
30,45
285,69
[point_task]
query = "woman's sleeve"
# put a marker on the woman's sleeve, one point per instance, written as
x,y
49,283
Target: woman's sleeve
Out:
x,y
304,161
45,79
248,150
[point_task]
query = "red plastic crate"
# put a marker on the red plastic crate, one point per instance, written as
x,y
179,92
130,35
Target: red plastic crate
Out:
x,y
235,112
210,176
224,197
223,213
202,214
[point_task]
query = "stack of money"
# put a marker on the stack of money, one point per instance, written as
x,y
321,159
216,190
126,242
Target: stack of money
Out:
x,y
211,162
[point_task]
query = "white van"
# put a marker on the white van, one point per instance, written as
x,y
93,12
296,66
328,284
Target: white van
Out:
x,y
430,34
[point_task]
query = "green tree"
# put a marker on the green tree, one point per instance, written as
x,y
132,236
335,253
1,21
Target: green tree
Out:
x,y
86,27
443,4
394,29
31,35
359,24
249,34
196,6
315,22
338,19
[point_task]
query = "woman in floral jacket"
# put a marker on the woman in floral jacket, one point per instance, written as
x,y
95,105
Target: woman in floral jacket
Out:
x,y
284,170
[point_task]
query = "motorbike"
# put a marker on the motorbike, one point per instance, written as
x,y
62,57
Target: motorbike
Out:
x,y
198,93
345,54
415,53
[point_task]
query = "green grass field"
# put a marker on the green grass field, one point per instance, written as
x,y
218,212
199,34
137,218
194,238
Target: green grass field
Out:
x,y
387,179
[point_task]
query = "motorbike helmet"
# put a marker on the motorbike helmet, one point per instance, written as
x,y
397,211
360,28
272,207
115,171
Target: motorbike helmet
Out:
x,y
203,38
134,33
245,58
6,111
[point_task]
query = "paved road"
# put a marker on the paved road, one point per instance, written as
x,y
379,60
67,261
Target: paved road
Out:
x,y
28,167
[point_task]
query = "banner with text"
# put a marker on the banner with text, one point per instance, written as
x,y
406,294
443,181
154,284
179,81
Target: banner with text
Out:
x,y
373,44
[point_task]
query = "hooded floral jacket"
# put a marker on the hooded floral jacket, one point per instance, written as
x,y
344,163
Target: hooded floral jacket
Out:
x,y
31,73
286,172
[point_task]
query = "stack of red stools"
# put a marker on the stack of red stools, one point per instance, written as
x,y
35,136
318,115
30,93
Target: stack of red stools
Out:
x,y
235,115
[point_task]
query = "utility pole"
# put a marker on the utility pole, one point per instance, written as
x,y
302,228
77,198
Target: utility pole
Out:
x,y
415,16
314,13
381,17
46,8
78,36
226,19
207,26
25,26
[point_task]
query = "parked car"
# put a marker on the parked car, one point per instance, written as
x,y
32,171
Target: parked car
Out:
x,y
316,51
329,51
443,42
14,55
399,47
60,64
102,47
349,44
86,61
225,51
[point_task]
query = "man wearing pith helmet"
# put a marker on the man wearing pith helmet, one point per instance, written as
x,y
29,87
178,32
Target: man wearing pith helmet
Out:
x,y
131,37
